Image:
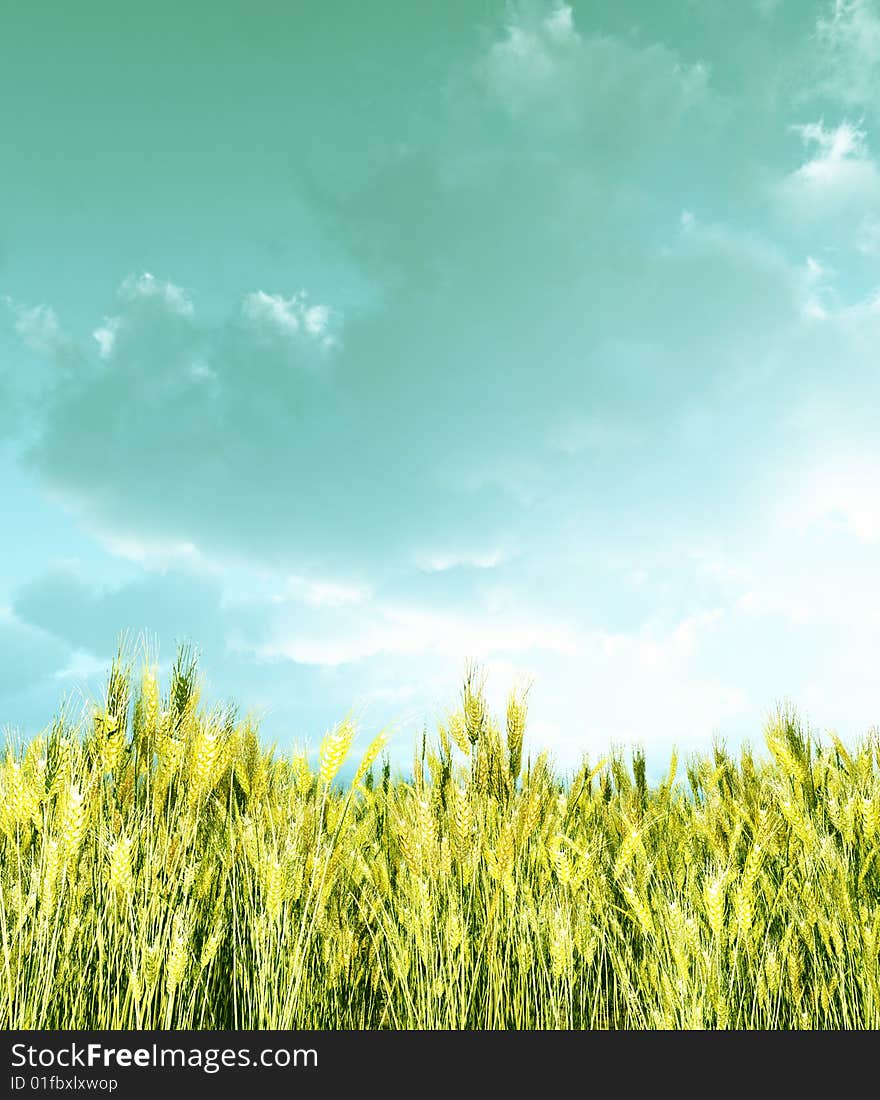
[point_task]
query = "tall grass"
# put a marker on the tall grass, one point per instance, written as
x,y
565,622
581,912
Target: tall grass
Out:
x,y
162,869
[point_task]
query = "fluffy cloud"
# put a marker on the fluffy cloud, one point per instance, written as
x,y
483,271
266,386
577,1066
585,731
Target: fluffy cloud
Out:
x,y
105,335
839,181
200,434
540,388
521,291
598,88
849,30
288,317
844,494
471,401
38,328
147,287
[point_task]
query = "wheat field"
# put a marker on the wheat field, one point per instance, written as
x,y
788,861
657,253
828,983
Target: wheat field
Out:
x,y
161,868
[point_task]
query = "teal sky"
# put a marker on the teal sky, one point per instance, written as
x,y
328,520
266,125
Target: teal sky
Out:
x,y
354,340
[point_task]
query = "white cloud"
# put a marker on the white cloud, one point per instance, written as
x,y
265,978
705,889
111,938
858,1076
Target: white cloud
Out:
x,y
794,609
147,287
545,71
807,563
559,24
281,313
331,594
817,289
316,319
154,554
106,334
532,57
413,632
835,147
840,180
288,317
136,289
440,562
38,328
850,33
844,495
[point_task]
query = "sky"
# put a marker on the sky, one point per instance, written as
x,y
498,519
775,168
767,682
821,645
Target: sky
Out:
x,y
352,342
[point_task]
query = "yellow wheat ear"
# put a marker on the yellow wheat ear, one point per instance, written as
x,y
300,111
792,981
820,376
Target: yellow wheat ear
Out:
x,y
334,750
714,900
373,749
74,821
150,698
119,869
204,757
178,954
458,732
